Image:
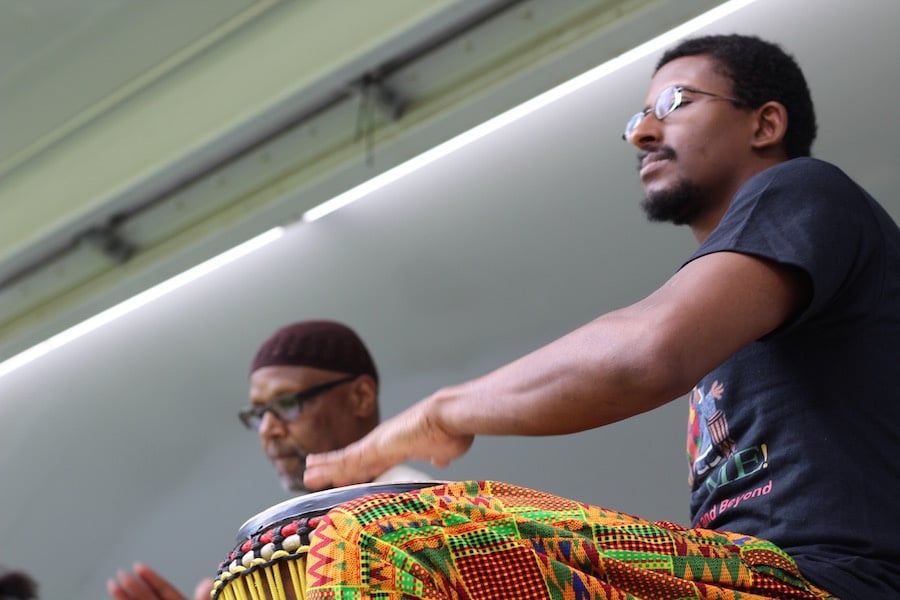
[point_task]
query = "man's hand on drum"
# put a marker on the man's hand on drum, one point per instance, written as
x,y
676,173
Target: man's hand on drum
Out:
x,y
146,584
414,434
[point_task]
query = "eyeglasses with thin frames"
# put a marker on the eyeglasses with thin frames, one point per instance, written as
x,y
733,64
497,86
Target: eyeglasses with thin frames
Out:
x,y
286,408
668,100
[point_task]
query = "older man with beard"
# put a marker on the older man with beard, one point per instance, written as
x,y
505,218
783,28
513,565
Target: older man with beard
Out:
x,y
313,388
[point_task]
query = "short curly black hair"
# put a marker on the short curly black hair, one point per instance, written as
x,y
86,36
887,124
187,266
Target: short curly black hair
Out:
x,y
760,71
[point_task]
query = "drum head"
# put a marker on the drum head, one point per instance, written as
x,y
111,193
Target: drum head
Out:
x,y
318,503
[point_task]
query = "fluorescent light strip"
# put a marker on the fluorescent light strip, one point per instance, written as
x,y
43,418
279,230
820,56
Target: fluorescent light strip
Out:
x,y
135,302
524,109
380,181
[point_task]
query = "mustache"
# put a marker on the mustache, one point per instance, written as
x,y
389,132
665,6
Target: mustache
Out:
x,y
274,451
660,153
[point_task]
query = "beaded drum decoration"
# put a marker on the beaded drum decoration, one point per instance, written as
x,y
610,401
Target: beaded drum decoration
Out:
x,y
269,560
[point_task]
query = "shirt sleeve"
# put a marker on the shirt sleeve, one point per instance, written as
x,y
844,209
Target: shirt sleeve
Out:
x,y
804,213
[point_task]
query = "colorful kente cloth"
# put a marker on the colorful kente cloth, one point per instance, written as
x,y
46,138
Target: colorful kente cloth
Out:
x,y
490,540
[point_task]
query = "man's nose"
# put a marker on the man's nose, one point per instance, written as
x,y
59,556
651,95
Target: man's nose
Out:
x,y
270,425
647,132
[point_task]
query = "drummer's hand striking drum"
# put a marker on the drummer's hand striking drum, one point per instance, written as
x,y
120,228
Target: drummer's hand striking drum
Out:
x,y
269,560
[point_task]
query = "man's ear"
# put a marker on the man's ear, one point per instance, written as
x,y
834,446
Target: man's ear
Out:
x,y
364,396
770,126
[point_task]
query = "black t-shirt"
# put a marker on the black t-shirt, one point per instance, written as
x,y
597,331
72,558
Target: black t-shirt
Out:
x,y
796,438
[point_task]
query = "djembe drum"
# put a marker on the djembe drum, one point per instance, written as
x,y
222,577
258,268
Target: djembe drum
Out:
x,y
269,560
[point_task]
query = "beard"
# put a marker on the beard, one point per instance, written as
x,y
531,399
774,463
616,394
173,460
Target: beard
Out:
x,y
678,205
292,481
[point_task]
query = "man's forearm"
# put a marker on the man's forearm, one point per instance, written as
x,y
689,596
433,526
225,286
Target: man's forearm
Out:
x,y
608,370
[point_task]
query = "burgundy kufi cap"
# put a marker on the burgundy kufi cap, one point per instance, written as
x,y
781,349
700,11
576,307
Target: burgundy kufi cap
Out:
x,y
325,345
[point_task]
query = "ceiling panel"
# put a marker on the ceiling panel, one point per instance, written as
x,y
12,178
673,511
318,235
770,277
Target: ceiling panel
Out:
x,y
64,63
194,115
277,116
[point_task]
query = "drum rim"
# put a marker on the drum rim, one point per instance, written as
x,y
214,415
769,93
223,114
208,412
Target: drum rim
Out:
x,y
318,503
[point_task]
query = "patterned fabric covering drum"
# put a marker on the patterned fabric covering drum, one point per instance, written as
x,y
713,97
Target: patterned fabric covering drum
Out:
x,y
269,560
489,540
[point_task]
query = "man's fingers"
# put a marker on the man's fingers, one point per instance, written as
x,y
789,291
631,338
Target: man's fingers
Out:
x,y
130,587
322,458
408,435
354,464
203,590
143,584
316,479
318,471
331,469
159,585
115,590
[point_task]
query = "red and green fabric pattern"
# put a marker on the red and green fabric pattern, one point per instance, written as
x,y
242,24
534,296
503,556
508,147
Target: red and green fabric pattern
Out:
x,y
490,540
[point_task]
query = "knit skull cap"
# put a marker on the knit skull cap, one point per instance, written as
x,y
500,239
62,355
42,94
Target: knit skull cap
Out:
x,y
321,344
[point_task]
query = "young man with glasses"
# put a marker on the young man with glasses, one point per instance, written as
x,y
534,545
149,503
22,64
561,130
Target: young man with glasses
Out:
x,y
313,388
783,329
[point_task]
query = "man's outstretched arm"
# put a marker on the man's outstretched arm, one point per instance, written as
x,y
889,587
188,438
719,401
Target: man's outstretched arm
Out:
x,y
623,363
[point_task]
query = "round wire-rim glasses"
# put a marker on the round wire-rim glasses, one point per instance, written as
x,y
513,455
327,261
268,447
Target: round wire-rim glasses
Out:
x,y
668,100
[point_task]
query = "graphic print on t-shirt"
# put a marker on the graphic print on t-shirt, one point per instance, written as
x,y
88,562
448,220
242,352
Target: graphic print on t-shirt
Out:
x,y
717,466
709,442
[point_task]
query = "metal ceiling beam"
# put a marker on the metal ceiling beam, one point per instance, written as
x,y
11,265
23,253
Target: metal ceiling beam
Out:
x,y
427,92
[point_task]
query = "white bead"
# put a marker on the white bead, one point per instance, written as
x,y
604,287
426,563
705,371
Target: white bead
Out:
x,y
247,559
267,551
